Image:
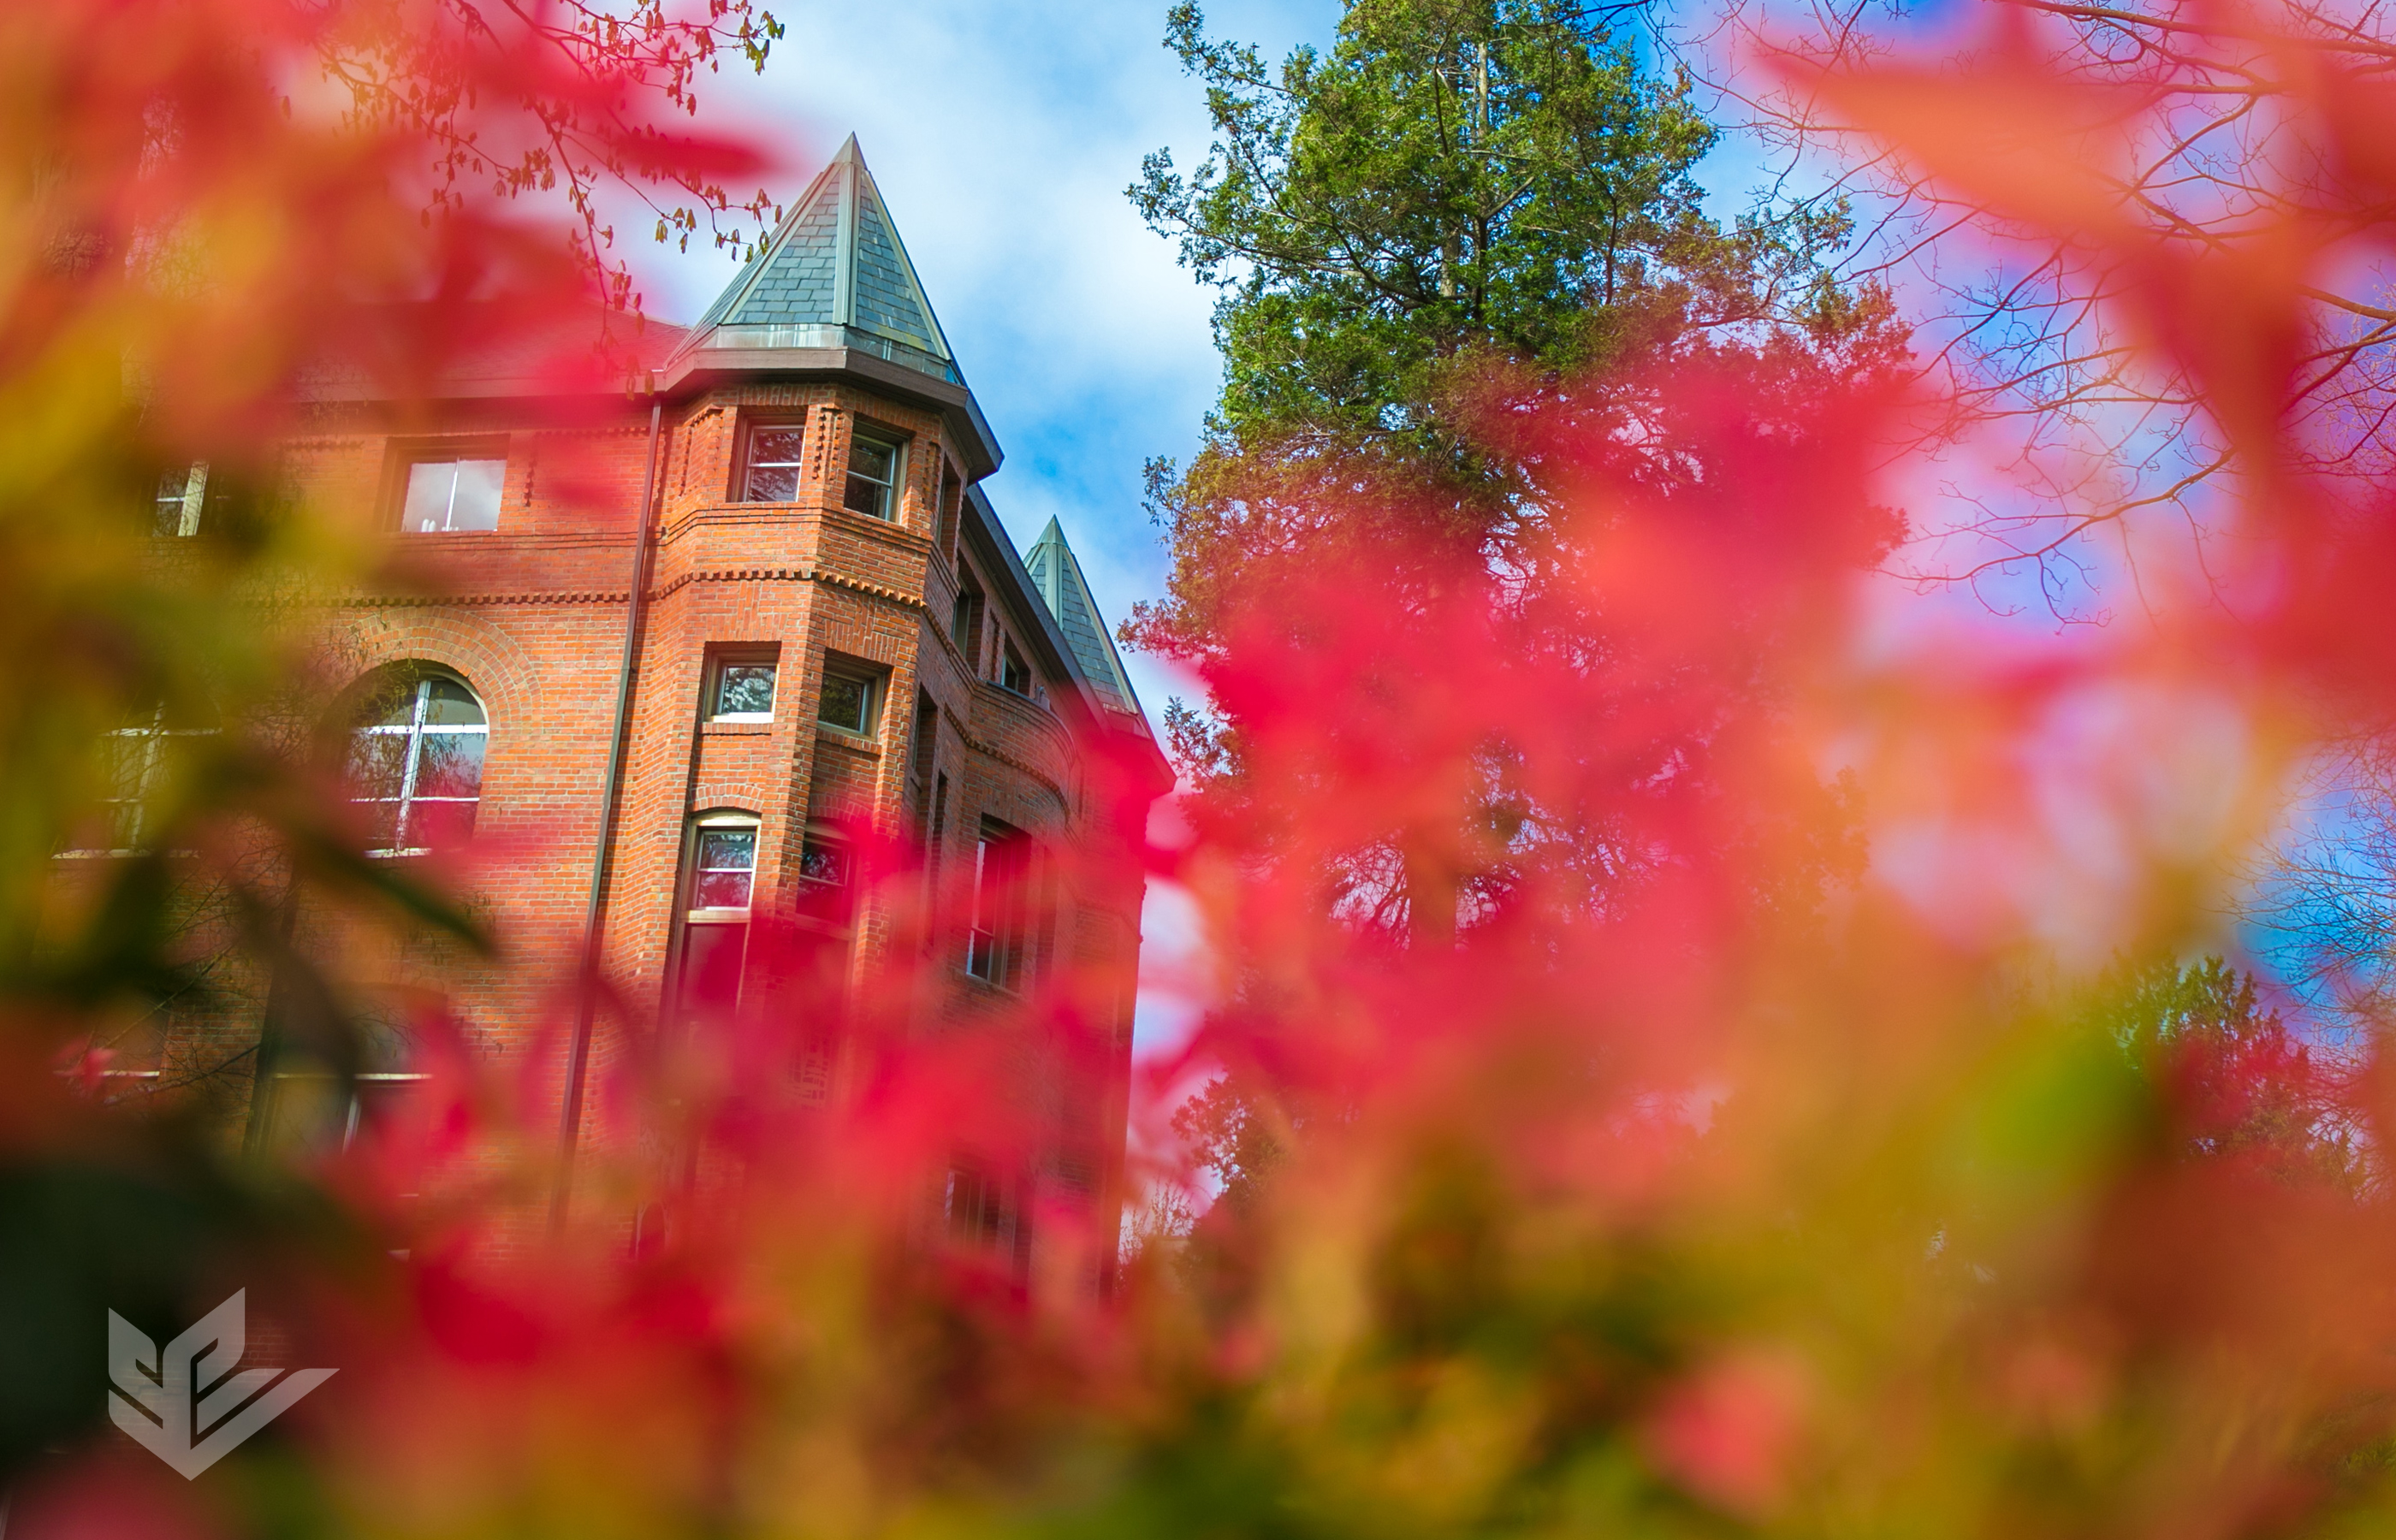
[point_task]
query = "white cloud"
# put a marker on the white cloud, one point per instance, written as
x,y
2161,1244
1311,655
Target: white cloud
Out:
x,y
1003,136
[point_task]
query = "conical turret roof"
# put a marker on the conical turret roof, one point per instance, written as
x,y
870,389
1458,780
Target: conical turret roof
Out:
x,y
835,260
1058,576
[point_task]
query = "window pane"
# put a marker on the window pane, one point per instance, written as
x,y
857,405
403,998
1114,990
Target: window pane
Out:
x,y
477,504
773,455
776,445
451,764
394,704
711,968
450,704
439,824
178,492
727,859
744,689
377,764
773,483
720,890
845,702
822,860
382,825
864,496
429,487
129,757
872,467
871,459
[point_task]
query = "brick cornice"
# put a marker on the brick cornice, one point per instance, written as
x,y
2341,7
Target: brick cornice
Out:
x,y
795,575
442,601
616,596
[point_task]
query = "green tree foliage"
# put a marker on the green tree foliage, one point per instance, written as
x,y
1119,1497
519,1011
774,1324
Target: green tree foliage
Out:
x,y
1465,201
1235,1134
2237,1083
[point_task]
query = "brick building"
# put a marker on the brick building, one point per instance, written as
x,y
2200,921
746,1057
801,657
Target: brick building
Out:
x,y
832,642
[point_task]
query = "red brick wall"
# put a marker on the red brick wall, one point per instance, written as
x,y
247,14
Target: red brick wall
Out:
x,y
532,616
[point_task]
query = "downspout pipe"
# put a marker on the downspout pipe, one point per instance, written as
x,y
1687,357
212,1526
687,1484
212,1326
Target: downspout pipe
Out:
x,y
586,1004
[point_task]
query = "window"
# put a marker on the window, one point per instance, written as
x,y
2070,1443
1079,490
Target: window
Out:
x,y
723,868
309,1105
849,699
1013,673
135,761
417,766
740,687
940,828
452,496
964,629
873,475
952,487
718,893
994,933
921,753
823,862
181,496
978,1210
771,471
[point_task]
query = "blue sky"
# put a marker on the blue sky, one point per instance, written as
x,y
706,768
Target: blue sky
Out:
x,y
1002,136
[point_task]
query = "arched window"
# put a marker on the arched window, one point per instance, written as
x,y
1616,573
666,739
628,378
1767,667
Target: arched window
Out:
x,y
416,764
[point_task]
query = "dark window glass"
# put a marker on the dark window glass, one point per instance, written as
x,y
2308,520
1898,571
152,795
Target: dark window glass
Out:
x,y
847,703
774,460
453,495
744,690
824,859
977,1205
964,629
1014,674
872,476
952,500
995,931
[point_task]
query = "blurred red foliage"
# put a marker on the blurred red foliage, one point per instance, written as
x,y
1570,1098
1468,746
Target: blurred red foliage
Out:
x,y
1687,1112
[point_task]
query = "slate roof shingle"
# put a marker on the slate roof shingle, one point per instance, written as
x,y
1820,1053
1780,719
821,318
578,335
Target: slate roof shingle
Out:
x,y
1058,575
836,261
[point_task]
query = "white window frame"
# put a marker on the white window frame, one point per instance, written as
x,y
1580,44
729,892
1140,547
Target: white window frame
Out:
x,y
888,499
872,684
721,915
733,658
414,729
186,503
450,511
749,463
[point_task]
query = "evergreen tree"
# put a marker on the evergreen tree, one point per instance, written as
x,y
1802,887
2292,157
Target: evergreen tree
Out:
x,y
2236,1082
1463,198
